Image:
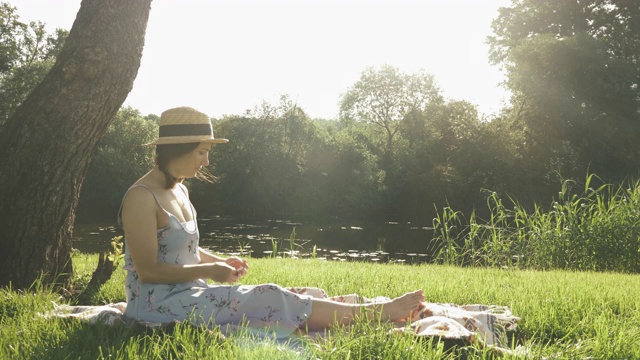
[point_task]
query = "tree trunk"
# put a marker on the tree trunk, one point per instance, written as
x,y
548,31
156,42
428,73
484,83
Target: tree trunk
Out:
x,y
47,144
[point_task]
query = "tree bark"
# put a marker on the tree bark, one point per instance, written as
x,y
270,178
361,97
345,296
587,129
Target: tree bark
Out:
x,y
47,144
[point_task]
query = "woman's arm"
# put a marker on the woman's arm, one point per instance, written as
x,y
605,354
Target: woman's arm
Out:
x,y
139,219
237,263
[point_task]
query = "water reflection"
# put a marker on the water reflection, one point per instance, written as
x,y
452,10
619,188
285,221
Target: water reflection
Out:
x,y
338,241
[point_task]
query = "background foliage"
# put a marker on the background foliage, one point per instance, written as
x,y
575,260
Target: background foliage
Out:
x,y
399,150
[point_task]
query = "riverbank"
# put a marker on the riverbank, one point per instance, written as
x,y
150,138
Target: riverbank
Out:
x,y
565,315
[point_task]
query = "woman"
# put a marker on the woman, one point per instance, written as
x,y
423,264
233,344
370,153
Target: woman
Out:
x,y
167,271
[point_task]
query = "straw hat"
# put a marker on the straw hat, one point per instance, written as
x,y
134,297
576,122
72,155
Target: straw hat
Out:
x,y
185,125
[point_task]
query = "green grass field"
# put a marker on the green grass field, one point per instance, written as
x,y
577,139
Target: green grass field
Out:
x,y
565,315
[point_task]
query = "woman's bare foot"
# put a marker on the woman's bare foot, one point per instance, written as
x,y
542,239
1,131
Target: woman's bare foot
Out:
x,y
399,308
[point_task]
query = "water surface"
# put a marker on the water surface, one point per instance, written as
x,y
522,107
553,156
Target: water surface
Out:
x,y
339,240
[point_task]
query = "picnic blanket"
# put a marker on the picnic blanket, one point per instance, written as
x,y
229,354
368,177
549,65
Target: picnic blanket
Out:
x,y
486,324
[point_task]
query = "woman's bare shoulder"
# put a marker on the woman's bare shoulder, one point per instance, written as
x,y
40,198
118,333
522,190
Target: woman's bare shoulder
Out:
x,y
139,197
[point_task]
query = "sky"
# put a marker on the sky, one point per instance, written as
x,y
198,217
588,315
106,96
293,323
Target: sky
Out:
x,y
224,57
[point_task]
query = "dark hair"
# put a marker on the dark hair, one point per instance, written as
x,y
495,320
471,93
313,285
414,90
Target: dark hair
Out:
x,y
167,152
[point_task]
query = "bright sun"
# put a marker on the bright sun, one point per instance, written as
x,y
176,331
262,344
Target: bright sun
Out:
x,y
226,56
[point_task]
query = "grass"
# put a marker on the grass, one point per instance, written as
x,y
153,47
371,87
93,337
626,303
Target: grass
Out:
x,y
565,315
570,273
588,227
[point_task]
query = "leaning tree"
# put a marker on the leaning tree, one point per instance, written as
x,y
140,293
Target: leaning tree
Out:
x,y
47,144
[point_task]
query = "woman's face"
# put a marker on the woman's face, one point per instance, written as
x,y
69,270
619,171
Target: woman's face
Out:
x,y
188,165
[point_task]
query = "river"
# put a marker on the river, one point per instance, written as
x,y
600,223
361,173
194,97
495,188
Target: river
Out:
x,y
339,240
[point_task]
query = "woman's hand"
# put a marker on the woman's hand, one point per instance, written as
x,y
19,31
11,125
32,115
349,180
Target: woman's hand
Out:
x,y
237,262
240,265
222,272
229,270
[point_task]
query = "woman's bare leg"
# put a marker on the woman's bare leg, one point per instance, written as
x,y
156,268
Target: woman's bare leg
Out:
x,y
324,313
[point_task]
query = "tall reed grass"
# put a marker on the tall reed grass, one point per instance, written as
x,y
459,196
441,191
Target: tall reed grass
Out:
x,y
595,229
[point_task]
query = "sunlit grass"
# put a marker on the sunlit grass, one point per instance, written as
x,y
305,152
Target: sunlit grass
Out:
x,y
565,314
568,272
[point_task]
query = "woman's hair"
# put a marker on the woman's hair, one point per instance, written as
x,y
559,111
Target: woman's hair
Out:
x,y
168,152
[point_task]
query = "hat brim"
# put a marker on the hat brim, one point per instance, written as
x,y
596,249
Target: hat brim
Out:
x,y
186,140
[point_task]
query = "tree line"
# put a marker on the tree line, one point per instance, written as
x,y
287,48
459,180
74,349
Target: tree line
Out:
x,y
398,149
398,146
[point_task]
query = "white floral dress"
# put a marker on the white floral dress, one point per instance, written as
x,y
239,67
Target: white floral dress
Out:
x,y
266,307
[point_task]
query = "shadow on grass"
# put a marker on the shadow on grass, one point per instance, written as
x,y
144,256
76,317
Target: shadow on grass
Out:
x,y
94,341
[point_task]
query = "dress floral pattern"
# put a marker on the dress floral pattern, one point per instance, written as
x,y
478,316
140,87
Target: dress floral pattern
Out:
x,y
264,308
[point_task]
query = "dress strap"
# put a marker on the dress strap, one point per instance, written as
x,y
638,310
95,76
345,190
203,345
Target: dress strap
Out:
x,y
125,195
184,191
